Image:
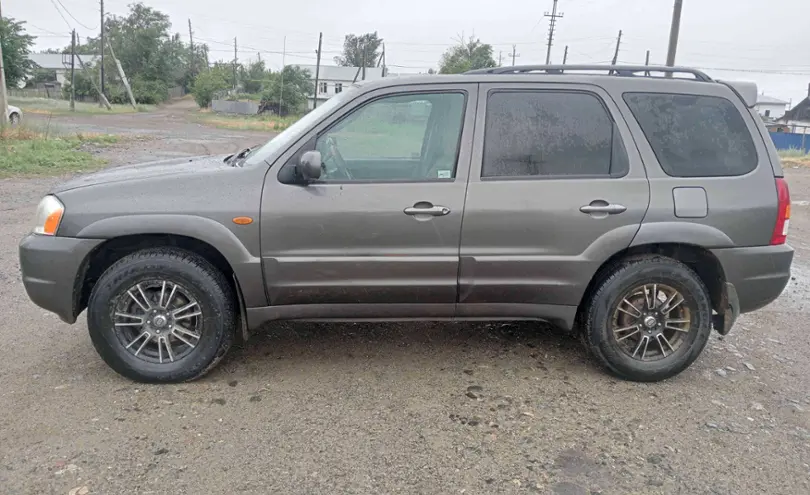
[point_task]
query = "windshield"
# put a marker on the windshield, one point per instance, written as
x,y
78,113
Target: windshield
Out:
x,y
292,133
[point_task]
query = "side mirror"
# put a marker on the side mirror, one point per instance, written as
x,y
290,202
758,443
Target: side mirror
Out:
x,y
309,167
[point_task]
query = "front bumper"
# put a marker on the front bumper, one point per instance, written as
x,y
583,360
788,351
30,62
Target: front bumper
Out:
x,y
50,267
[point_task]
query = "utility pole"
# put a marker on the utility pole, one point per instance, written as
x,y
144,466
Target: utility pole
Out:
x,y
235,58
616,53
365,54
191,47
317,71
514,54
3,101
102,46
382,61
647,62
500,58
102,99
123,76
674,31
565,55
551,25
283,66
73,71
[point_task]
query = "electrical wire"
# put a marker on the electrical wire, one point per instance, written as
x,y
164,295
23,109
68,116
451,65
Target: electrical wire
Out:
x,y
74,18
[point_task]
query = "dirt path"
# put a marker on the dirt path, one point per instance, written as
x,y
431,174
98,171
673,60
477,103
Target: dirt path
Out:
x,y
399,408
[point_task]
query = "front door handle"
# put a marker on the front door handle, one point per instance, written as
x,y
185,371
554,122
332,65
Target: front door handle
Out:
x,y
435,211
609,209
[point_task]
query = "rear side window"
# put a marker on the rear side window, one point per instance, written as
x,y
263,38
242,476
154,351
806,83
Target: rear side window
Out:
x,y
548,134
694,136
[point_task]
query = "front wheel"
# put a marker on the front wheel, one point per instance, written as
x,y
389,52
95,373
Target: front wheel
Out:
x,y
14,119
649,318
162,315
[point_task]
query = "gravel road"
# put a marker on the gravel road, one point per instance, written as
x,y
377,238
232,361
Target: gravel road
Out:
x,y
395,408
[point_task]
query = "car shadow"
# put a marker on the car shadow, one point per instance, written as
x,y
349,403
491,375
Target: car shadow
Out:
x,y
432,344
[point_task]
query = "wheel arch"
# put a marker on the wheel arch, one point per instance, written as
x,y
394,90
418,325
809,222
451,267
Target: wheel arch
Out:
x,y
112,250
699,259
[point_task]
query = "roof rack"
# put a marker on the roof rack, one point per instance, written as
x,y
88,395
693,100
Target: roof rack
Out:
x,y
611,70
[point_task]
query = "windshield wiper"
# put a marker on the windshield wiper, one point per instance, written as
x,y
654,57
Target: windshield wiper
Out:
x,y
237,158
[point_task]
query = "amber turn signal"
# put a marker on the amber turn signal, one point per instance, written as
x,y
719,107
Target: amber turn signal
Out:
x,y
243,220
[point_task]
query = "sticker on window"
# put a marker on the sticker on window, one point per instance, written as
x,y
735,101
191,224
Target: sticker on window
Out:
x,y
444,174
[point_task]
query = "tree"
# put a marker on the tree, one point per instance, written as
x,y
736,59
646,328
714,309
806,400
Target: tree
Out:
x,y
360,50
149,54
297,88
16,47
467,55
253,77
206,85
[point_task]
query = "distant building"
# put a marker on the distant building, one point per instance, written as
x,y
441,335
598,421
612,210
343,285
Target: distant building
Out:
x,y
59,62
798,117
333,80
770,108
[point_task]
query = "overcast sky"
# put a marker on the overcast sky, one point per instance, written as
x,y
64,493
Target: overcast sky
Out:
x,y
767,42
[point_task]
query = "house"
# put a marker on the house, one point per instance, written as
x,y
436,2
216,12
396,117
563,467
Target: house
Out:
x,y
770,108
333,79
798,117
60,62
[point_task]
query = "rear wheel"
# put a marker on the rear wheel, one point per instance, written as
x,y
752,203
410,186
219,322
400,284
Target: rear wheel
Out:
x,y
162,315
649,318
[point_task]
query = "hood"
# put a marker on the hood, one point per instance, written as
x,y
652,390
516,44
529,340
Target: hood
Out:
x,y
164,169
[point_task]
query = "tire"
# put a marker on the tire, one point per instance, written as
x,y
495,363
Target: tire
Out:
x,y
611,341
148,273
14,119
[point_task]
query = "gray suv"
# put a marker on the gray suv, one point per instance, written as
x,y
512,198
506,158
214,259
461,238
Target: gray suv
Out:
x,y
639,207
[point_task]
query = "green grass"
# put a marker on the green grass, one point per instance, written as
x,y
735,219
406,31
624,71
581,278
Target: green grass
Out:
x,y
25,151
62,107
262,122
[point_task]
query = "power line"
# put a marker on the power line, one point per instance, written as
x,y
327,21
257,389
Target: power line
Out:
x,y
74,17
61,15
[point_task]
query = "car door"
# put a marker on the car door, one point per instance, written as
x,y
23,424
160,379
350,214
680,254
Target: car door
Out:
x,y
556,187
377,235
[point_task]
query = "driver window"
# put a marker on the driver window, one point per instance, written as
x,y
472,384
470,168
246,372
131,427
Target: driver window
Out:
x,y
404,137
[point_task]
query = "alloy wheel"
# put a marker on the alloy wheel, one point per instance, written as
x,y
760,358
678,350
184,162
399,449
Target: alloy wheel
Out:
x,y
651,322
158,321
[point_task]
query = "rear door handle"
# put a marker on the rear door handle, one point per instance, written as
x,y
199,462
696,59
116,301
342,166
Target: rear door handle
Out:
x,y
435,211
610,209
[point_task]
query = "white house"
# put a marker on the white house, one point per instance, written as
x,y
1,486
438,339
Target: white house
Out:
x,y
60,62
770,108
333,79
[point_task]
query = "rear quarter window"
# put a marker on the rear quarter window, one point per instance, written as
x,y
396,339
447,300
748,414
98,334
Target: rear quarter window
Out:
x,y
694,136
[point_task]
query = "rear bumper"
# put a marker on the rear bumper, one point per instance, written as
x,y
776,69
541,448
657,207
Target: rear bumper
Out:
x,y
758,274
50,266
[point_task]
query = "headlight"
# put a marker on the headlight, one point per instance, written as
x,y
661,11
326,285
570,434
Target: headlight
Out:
x,y
49,214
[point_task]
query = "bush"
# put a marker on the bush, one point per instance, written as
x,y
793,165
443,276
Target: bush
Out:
x,y
149,92
206,85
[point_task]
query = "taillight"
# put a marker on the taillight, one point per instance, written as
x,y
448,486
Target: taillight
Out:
x,y
780,230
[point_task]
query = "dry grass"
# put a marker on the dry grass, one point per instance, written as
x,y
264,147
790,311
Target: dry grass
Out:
x,y
794,157
267,123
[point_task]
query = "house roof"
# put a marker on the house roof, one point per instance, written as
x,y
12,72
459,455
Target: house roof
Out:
x,y
769,100
800,112
55,60
335,73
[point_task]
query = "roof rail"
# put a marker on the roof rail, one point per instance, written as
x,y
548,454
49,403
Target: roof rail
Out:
x,y
611,70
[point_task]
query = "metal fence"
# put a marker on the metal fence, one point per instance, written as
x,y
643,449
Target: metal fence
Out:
x,y
791,141
237,107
